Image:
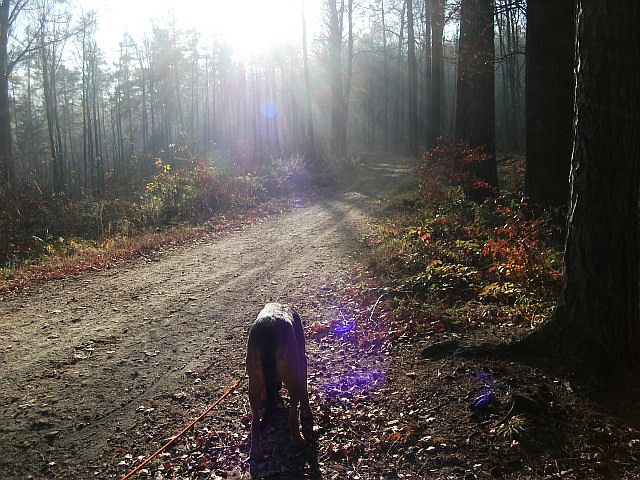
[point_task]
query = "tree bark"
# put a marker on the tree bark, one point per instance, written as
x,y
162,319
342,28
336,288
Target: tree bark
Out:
x,y
425,96
7,171
396,128
338,107
412,82
48,59
385,96
596,326
349,75
307,87
549,97
97,161
475,107
437,72
6,144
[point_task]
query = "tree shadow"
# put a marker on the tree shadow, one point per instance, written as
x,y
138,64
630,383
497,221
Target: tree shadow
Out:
x,y
533,412
282,460
615,390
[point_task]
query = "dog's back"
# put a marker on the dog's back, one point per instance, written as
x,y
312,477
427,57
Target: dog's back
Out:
x,y
276,354
270,333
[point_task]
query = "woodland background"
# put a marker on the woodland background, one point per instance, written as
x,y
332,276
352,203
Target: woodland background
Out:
x,y
177,126
177,130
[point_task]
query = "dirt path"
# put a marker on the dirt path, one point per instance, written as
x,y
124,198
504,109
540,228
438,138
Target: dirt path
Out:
x,y
87,361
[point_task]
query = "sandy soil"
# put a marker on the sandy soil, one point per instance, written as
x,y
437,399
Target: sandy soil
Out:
x,y
94,364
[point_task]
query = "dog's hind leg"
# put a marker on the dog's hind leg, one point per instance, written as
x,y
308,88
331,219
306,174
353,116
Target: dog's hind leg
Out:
x,y
305,408
257,399
256,389
289,371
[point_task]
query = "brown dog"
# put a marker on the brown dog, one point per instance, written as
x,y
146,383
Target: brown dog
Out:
x,y
276,355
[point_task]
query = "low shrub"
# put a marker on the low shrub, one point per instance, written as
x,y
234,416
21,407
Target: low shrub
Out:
x,y
458,256
35,222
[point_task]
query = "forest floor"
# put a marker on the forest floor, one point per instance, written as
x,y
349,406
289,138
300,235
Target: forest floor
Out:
x,y
100,368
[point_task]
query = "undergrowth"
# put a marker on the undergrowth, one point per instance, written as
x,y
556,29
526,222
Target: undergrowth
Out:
x,y
460,264
39,227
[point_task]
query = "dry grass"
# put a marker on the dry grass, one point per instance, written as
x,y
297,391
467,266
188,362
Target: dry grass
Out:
x,y
87,256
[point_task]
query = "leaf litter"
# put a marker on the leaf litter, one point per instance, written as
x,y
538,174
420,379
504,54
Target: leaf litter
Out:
x,y
382,411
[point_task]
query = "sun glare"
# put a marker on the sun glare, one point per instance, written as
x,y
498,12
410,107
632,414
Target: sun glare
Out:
x,y
256,26
249,27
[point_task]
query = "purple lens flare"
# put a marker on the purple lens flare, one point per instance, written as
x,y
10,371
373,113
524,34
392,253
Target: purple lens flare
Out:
x,y
483,377
352,383
344,326
483,398
268,109
485,395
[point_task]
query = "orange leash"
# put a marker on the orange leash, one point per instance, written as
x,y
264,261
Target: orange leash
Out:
x,y
229,391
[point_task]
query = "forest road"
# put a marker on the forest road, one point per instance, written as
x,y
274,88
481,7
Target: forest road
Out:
x,y
112,361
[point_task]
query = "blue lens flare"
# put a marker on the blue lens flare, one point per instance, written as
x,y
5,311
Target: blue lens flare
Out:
x,y
483,377
355,374
352,383
268,109
485,395
344,326
483,398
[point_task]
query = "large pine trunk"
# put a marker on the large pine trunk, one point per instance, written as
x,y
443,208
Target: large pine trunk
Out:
x,y
425,95
412,70
6,145
7,170
550,85
475,108
596,324
437,77
338,106
307,89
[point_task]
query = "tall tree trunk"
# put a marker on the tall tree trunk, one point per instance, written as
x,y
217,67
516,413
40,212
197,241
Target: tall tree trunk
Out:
x,y
437,71
307,86
347,87
475,107
206,124
87,183
97,160
425,124
143,88
7,171
550,84
56,122
214,119
194,110
396,133
30,147
338,107
513,46
505,125
256,124
596,324
412,83
48,60
385,84
6,144
118,166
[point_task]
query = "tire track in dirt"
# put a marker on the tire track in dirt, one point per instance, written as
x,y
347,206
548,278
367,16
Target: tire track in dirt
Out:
x,y
88,361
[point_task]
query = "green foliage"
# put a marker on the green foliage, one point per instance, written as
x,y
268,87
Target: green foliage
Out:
x,y
283,174
181,191
446,277
446,173
463,259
